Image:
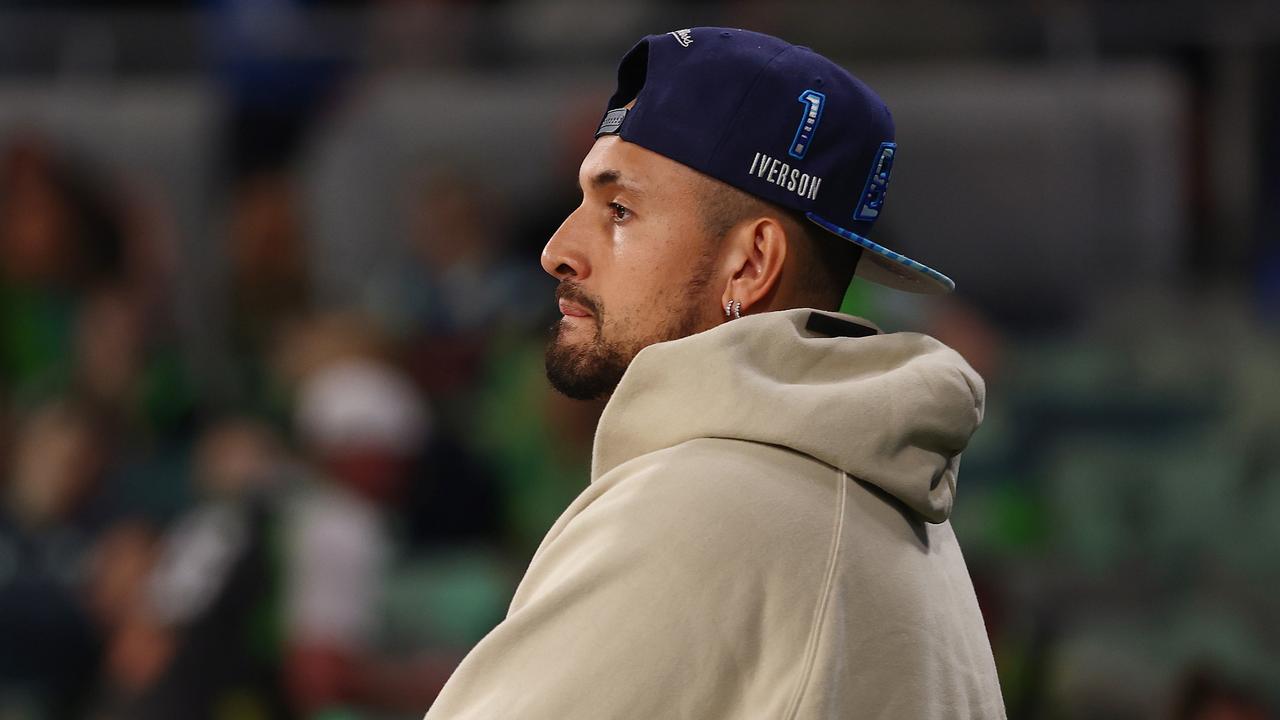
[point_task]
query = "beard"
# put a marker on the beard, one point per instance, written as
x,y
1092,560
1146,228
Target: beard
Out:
x,y
588,371
591,370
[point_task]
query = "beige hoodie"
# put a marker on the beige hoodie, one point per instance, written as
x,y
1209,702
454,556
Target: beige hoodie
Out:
x,y
765,535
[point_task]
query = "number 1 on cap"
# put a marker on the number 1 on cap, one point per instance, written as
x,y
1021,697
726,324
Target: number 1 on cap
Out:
x,y
813,102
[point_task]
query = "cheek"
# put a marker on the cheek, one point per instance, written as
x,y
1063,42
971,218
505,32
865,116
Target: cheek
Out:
x,y
652,272
643,271
662,250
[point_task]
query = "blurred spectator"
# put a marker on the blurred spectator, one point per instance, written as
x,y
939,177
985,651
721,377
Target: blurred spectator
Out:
x,y
128,369
132,379
59,235
363,426
136,650
199,639
463,286
60,226
50,516
110,352
269,287
451,497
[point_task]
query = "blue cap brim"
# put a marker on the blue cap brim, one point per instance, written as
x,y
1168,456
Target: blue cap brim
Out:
x,y
883,266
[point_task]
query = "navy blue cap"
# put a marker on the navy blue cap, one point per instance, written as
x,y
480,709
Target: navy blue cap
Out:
x,y
775,120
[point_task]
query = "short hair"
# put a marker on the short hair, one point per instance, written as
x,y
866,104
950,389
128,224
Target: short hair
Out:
x,y
827,260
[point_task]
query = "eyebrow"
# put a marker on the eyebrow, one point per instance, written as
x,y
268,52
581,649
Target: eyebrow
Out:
x,y
611,177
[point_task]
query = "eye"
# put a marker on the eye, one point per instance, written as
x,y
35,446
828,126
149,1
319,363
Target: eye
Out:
x,y
620,212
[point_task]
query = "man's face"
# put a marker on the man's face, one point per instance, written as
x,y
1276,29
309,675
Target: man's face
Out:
x,y
635,266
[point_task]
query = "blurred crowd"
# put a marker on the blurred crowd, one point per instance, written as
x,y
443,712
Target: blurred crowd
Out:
x,y
322,520
329,526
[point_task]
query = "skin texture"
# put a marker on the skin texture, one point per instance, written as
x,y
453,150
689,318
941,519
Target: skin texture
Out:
x,y
637,265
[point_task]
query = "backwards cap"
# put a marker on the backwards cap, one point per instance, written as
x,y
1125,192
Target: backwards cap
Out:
x,y
775,120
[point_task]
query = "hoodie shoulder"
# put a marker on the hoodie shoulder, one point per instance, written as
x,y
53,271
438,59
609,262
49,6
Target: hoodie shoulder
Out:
x,y
726,479
713,498
679,560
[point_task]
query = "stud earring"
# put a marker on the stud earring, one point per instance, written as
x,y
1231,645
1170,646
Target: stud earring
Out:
x,y
733,309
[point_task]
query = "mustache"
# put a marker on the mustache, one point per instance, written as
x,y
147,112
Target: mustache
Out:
x,y
568,291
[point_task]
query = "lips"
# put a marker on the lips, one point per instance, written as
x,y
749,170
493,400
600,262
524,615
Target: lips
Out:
x,y
570,309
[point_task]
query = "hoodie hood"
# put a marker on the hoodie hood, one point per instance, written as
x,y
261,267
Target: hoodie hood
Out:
x,y
894,410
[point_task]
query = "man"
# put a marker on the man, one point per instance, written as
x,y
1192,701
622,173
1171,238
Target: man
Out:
x,y
765,532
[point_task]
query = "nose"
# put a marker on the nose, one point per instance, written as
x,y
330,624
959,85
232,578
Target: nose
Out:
x,y
563,256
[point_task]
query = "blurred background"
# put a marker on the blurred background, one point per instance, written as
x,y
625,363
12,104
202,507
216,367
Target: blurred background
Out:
x,y
275,440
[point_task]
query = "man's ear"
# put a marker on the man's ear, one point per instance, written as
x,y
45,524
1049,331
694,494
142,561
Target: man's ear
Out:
x,y
756,252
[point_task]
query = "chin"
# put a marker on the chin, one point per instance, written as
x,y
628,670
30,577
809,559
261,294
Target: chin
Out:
x,y
585,369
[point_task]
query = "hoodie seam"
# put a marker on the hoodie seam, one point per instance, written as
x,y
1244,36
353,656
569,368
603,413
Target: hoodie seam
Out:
x,y
819,619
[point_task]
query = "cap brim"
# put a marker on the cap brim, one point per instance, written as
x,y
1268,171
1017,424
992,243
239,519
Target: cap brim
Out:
x,y
883,266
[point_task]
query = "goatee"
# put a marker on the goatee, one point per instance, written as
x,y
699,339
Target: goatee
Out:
x,y
589,371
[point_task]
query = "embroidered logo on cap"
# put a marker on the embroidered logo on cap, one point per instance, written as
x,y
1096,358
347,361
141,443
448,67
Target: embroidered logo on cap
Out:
x,y
872,199
684,37
773,170
813,102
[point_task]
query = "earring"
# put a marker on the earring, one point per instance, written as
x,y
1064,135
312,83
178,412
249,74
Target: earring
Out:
x,y
733,309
